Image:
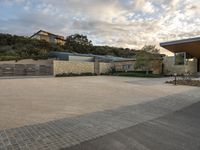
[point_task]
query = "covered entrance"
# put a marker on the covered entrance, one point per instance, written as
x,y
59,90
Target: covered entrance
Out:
x,y
188,49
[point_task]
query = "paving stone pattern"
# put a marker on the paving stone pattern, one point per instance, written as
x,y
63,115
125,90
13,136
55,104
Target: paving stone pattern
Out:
x,y
176,131
68,132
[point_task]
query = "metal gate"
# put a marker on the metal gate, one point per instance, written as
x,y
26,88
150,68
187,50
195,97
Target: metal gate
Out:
x,y
25,70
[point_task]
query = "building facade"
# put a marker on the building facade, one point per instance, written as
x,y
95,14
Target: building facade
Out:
x,y
120,64
49,37
186,57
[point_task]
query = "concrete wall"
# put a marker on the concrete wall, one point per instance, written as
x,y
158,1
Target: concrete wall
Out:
x,y
170,68
80,58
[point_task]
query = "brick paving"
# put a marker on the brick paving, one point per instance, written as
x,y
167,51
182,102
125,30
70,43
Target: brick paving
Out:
x,y
67,132
176,131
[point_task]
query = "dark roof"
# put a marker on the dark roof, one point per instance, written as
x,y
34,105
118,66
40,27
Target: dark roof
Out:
x,y
100,57
57,36
196,39
190,46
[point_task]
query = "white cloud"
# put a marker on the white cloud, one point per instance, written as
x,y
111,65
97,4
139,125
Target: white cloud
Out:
x,y
131,23
148,7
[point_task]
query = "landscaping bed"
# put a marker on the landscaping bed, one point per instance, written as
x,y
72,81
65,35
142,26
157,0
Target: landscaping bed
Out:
x,y
75,74
138,74
185,82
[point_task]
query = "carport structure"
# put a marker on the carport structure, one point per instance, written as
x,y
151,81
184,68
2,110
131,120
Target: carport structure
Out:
x,y
190,48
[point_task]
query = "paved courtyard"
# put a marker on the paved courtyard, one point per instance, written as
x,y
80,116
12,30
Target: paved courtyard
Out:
x,y
82,112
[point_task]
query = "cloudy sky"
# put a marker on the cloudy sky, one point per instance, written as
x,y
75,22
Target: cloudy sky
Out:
x,y
123,23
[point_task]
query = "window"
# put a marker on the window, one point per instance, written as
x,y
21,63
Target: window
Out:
x,y
127,67
189,58
180,58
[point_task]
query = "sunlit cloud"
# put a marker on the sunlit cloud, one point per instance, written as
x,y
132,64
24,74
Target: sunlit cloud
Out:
x,y
123,23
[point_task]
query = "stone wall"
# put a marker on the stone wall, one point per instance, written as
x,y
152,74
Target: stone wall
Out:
x,y
119,66
170,68
72,67
105,67
78,67
156,66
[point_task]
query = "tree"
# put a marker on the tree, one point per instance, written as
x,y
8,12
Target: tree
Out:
x,y
151,49
145,58
78,43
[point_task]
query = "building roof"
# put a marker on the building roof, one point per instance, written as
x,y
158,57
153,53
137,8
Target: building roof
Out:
x,y
107,58
57,36
191,46
196,39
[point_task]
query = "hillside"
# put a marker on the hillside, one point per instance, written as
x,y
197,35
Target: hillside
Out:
x,y
13,47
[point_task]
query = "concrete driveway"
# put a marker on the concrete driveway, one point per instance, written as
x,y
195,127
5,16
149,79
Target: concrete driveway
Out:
x,y
54,113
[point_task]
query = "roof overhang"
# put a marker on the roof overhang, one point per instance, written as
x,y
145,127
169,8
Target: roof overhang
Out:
x,y
191,46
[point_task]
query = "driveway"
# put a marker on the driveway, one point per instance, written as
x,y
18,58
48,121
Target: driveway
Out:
x,y
55,113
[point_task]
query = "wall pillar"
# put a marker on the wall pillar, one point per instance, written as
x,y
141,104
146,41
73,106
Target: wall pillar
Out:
x,y
96,66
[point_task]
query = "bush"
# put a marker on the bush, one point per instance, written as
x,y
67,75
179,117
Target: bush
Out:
x,y
138,74
75,74
8,58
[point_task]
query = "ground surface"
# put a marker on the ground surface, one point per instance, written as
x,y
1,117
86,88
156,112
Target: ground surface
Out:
x,y
120,112
176,131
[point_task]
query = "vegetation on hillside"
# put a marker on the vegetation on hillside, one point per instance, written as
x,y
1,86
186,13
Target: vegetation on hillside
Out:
x,y
80,44
14,47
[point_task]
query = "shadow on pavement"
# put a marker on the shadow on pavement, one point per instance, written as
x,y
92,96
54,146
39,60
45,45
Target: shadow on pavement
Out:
x,y
179,130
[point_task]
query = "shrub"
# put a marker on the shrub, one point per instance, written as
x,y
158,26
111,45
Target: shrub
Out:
x,y
7,58
137,74
75,74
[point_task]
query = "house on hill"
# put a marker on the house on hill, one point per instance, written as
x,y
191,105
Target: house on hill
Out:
x,y
49,37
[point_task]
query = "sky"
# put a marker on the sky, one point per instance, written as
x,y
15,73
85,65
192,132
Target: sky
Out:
x,y
120,23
